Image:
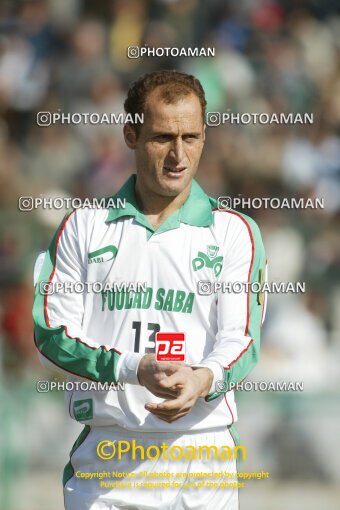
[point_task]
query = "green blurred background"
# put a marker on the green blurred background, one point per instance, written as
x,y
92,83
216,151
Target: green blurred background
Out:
x,y
271,56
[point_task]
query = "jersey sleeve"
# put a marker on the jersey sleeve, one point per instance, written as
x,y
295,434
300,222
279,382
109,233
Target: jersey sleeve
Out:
x,y
58,316
239,313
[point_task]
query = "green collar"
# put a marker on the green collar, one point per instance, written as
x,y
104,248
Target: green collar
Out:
x,y
195,211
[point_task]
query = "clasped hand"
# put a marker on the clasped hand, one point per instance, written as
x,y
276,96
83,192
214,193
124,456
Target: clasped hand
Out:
x,y
177,382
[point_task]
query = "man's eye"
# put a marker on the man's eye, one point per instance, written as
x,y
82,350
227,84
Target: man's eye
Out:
x,y
162,138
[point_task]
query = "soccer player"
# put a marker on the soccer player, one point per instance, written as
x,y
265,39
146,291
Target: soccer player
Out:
x,y
172,417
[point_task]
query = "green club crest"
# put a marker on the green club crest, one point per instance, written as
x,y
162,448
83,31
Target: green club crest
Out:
x,y
209,260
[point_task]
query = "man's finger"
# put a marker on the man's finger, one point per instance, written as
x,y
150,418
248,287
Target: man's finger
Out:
x,y
175,404
172,380
165,394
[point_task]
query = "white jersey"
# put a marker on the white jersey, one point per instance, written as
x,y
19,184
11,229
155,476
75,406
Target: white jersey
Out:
x,y
150,281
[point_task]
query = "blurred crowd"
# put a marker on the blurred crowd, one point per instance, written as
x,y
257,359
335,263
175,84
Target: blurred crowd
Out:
x,y
271,56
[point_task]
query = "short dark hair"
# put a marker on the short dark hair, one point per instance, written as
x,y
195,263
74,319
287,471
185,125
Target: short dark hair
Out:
x,y
175,85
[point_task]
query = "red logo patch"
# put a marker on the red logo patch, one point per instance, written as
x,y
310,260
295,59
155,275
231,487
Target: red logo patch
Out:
x,y
170,347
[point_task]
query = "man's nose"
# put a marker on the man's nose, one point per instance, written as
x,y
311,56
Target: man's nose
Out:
x,y
177,150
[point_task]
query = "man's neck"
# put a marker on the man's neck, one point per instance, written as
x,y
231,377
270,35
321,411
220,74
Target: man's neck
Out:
x,y
157,208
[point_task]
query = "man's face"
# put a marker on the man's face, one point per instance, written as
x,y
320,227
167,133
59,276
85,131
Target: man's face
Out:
x,y
169,145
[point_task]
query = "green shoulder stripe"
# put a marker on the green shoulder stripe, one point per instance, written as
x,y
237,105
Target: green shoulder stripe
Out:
x,y
240,367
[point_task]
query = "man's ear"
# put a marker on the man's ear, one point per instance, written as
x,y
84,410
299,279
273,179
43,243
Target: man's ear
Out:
x,y
130,136
204,126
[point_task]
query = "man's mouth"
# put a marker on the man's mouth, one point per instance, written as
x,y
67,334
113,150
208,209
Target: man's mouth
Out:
x,y
174,172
